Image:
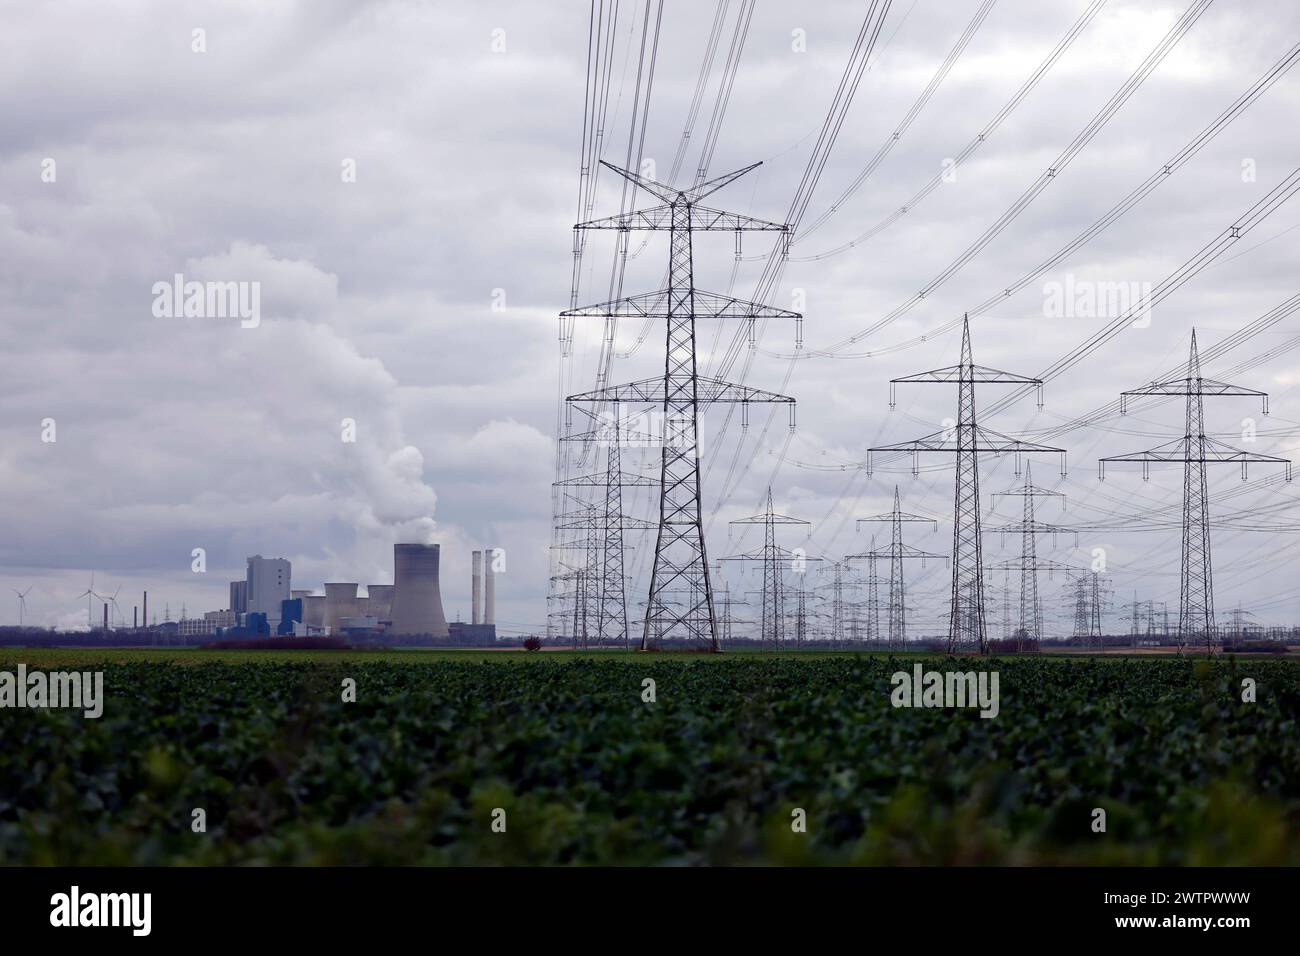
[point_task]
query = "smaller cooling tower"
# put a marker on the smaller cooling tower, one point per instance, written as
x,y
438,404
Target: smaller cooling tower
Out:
x,y
417,599
340,602
313,610
381,601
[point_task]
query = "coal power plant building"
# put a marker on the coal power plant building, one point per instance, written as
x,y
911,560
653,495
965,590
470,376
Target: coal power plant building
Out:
x,y
417,598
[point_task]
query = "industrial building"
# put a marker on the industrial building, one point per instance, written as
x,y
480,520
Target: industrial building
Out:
x,y
268,585
411,607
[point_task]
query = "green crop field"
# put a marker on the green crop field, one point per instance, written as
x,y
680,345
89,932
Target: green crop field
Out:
x,y
710,772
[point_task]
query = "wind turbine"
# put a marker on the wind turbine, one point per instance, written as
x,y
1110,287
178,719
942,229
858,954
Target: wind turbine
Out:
x,y
89,594
22,602
117,610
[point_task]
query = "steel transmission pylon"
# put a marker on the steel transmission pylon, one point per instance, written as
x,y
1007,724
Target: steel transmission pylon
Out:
x,y
1096,608
801,617
873,598
898,552
773,558
837,604
1082,618
1030,632
966,439
607,592
1195,450
681,560
726,618
600,591
596,525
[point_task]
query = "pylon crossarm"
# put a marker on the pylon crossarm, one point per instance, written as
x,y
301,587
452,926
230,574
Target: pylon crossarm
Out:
x,y
602,481
696,193
654,218
704,305
606,434
1203,387
1028,491
968,373
586,523
1185,449
902,516
657,189
986,440
703,219
749,556
904,551
651,391
1017,564
1033,527
669,193
769,519
706,219
907,551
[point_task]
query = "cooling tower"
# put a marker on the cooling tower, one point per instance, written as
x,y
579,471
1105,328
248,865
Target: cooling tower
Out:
x,y
299,593
313,610
417,600
381,601
476,584
489,587
363,606
340,602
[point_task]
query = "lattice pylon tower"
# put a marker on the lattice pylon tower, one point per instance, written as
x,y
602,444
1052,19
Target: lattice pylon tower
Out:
x,y
898,552
680,564
1094,610
1082,619
1029,564
839,617
873,598
602,586
595,525
611,623
966,439
773,558
1194,451
1006,606
801,617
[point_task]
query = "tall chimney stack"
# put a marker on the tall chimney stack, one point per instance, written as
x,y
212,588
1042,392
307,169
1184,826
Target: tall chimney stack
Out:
x,y
489,587
146,609
135,618
476,598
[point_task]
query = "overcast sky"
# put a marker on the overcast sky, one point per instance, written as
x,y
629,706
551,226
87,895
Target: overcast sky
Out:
x,y
377,296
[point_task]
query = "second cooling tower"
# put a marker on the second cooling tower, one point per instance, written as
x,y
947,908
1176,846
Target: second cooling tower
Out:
x,y
381,601
340,603
417,600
